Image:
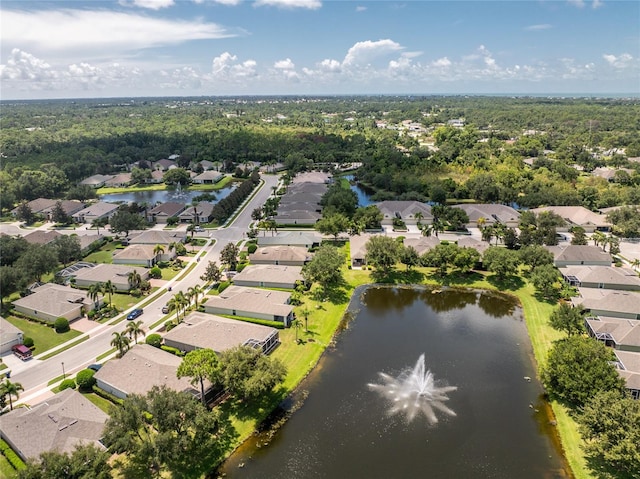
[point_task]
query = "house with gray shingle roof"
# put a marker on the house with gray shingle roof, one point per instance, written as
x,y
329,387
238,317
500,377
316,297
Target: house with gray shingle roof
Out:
x,y
208,331
9,336
609,302
158,237
95,211
52,301
203,213
42,237
491,212
140,369
405,211
60,423
269,276
252,303
607,277
281,255
208,177
96,181
422,244
164,165
579,255
162,212
118,274
306,239
623,334
628,367
119,181
36,206
577,216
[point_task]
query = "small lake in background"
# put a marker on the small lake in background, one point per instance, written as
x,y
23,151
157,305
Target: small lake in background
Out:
x,y
474,340
364,194
164,196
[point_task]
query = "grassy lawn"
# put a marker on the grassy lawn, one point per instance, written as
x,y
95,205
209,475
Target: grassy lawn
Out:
x,y
123,301
99,401
43,336
103,255
170,273
6,471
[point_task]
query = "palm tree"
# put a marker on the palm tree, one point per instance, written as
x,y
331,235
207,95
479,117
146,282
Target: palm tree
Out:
x,y
174,305
12,390
419,217
94,293
306,312
134,329
158,249
195,292
99,223
438,226
599,238
295,324
426,230
134,279
635,263
121,342
481,222
109,288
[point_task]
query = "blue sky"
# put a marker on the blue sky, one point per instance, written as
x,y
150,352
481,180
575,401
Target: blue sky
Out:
x,y
59,49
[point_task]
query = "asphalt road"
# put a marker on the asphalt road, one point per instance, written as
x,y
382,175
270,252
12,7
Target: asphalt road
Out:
x,y
37,373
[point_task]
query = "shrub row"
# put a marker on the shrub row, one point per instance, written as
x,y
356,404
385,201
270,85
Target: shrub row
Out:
x,y
105,395
11,456
263,322
171,350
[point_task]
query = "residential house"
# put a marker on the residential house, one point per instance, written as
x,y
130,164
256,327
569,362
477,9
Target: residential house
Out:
x,y
297,217
607,277
10,336
155,237
96,181
207,331
281,255
491,213
609,302
208,177
622,334
422,244
116,273
37,206
95,211
202,213
59,424
358,249
269,276
583,255
628,367
577,216
469,242
70,207
143,254
312,177
407,211
121,180
164,165
141,368
252,303
52,301
89,243
157,176
163,211
207,165
42,237
609,174
306,239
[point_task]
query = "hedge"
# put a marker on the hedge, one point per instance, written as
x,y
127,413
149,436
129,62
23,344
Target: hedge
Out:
x,y
224,285
154,340
28,342
67,384
85,379
15,461
105,395
171,350
264,322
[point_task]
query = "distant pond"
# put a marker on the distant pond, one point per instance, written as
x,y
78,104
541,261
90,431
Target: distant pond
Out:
x,y
164,196
495,423
364,194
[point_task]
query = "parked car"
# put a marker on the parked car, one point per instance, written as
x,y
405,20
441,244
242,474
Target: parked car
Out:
x,y
94,367
134,314
198,229
22,351
165,309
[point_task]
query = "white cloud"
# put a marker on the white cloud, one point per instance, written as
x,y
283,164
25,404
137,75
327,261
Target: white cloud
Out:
x,y
622,61
577,3
222,63
99,33
227,66
25,66
329,65
360,8
284,65
309,4
362,53
442,62
597,4
150,4
538,27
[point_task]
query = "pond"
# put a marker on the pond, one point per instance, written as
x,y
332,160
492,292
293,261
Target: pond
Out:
x,y
364,194
164,196
475,345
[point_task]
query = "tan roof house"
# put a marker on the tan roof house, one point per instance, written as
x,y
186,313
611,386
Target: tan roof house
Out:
x,y
407,211
208,177
162,212
579,255
281,255
59,424
155,237
577,216
628,367
306,239
70,207
269,276
609,302
119,181
42,237
118,274
143,255
252,303
492,213
208,331
623,334
607,277
423,243
157,176
95,211
52,301
141,368
10,336
469,242
96,181
358,249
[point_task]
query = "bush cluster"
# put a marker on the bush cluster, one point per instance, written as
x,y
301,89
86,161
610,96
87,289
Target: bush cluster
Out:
x,y
11,456
61,325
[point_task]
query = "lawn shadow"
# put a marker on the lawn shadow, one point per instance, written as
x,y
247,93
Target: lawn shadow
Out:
x,y
395,276
507,283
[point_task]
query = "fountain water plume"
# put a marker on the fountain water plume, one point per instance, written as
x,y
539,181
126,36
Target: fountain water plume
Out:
x,y
414,391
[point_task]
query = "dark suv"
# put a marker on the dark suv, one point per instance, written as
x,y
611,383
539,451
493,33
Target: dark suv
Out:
x,y
134,314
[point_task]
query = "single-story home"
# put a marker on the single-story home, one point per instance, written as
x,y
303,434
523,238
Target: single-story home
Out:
x,y
60,423
141,368
164,165
157,176
607,277
119,181
492,213
306,239
407,211
469,242
269,276
311,198
143,254
203,213
609,302
10,336
577,216
207,165
208,331
358,249
252,303
70,207
95,211
312,177
118,274
297,217
42,237
422,244
155,237
208,177
609,174
623,334
96,181
579,255
162,212
52,301
281,255
628,367
36,206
